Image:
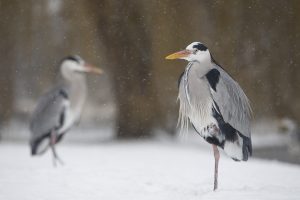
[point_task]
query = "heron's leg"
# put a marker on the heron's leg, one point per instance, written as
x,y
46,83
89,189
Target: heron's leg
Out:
x,y
53,139
217,157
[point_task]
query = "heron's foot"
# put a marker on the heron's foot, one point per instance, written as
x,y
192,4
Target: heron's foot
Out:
x,y
215,185
55,156
53,140
57,159
213,129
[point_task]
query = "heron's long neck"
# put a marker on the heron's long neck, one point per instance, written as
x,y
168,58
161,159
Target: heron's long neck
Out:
x,y
77,93
201,68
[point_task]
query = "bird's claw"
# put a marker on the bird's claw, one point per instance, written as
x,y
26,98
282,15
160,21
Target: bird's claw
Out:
x,y
57,159
213,129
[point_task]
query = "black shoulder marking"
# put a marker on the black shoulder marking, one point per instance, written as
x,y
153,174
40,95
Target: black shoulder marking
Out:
x,y
63,93
200,47
179,80
213,77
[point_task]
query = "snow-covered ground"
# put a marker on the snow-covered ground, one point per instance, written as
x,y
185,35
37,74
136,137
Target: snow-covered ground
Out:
x,y
140,170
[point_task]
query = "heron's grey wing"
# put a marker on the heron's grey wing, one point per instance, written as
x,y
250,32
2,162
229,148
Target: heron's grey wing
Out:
x,y
232,102
49,113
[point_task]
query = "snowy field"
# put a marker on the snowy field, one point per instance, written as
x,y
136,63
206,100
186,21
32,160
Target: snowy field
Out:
x,y
157,170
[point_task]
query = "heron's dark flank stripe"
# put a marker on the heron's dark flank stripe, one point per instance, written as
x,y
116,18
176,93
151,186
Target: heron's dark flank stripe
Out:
x,y
62,118
231,134
226,129
213,77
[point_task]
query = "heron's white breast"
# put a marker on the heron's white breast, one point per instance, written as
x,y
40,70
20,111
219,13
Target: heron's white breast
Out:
x,y
201,118
69,118
195,101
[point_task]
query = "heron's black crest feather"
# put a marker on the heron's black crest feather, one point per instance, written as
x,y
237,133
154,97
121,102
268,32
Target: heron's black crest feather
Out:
x,y
200,47
73,58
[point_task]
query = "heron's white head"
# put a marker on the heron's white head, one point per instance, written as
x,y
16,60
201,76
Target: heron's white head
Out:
x,y
196,51
75,63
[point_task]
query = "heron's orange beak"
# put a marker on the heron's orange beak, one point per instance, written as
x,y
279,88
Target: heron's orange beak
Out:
x,y
179,55
91,69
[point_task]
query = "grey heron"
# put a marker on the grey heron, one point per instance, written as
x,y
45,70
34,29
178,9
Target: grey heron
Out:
x,y
215,105
58,109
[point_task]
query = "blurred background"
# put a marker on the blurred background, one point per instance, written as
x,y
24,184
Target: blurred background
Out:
x,y
257,42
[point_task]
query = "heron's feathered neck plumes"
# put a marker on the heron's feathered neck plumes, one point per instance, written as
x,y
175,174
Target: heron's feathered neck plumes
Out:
x,y
184,101
77,89
196,104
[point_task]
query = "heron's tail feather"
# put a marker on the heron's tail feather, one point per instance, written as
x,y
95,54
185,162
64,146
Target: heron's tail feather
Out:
x,y
247,147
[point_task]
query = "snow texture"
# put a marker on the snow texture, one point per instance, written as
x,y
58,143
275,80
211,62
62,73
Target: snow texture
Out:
x,y
157,170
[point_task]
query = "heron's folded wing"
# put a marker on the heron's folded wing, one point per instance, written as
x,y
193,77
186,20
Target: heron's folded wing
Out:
x,y
230,100
49,112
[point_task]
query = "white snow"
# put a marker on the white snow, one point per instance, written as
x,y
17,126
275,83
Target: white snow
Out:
x,y
157,170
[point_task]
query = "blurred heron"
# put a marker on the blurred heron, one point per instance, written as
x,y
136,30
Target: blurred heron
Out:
x,y
60,108
215,105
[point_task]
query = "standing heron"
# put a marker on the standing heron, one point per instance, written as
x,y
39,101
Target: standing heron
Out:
x,y
60,108
215,105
